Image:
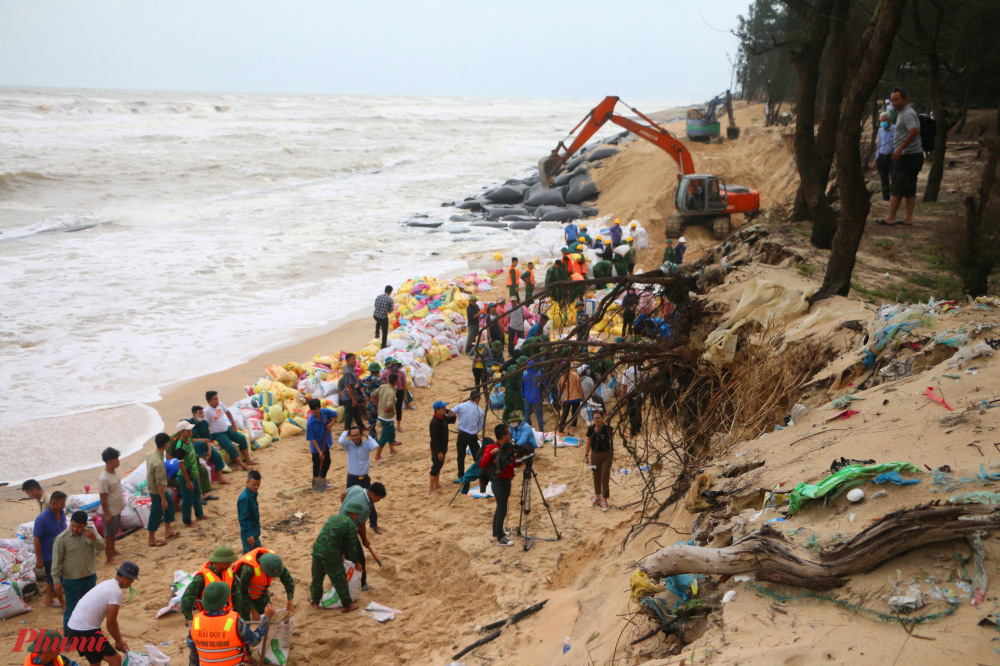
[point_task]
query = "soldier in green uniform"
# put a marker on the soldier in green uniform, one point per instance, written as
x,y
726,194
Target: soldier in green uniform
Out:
x,y
512,399
338,539
602,269
669,254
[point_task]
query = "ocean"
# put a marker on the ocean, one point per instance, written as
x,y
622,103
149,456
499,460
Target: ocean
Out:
x,y
151,237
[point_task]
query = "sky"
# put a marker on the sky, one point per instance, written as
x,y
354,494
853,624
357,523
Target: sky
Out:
x,y
582,49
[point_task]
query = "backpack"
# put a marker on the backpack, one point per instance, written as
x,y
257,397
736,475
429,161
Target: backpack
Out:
x,y
500,460
928,131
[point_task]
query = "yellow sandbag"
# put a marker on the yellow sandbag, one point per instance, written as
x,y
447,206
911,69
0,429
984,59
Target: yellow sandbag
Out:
x,y
294,409
371,350
263,442
444,353
326,360
421,313
601,325
433,357
288,429
271,429
279,374
294,368
267,399
498,256
300,421
340,413
374,341
616,330
262,385
225,458
406,287
435,291
275,414
400,298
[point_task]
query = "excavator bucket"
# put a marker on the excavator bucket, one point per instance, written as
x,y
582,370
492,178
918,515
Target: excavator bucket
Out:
x,y
732,133
547,167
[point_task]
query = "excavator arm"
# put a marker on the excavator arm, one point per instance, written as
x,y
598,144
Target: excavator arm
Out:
x,y
598,116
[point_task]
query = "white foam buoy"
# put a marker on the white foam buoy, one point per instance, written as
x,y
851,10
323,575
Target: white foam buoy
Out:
x,y
856,495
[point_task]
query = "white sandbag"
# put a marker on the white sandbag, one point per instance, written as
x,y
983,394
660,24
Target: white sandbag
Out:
x,y
642,239
332,600
181,580
245,403
10,603
137,479
26,532
156,657
622,250
133,658
278,642
89,504
11,544
239,419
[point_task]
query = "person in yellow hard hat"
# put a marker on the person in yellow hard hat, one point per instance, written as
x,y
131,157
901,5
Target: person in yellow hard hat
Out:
x,y
606,251
584,236
630,257
598,242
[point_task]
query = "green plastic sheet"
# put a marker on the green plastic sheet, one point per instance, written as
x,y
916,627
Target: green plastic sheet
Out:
x,y
845,479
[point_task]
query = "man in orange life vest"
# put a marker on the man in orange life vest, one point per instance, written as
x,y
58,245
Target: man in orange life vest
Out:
x,y
45,651
513,277
528,278
252,576
215,570
218,636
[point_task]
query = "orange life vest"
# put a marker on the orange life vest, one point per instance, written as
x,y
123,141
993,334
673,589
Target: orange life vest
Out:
x,y
259,583
212,577
572,265
217,639
59,661
513,276
529,276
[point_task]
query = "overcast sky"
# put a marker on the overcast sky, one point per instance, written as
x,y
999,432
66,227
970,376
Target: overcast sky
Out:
x,y
583,49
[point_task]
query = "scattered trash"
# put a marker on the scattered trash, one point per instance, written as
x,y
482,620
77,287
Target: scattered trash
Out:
x,y
642,587
979,577
741,579
838,465
851,517
981,497
967,353
379,612
843,480
554,490
728,596
879,494
930,394
898,370
895,478
844,415
843,401
952,376
905,603
855,495
798,413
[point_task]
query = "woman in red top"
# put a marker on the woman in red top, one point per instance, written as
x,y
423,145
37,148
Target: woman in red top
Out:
x,y
501,484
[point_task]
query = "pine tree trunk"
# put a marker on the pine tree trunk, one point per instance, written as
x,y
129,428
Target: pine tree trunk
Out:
x,y
866,69
936,172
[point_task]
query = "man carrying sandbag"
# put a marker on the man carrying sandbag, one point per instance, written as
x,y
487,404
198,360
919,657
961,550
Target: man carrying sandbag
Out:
x,y
216,569
104,601
252,576
218,636
338,539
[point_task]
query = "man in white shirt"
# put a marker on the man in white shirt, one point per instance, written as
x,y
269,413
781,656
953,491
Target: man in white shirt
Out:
x,y
470,423
220,425
104,601
907,158
358,446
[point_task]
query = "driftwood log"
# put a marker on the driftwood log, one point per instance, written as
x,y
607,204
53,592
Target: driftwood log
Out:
x,y
776,559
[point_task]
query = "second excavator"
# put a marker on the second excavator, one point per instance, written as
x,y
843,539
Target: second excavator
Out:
x,y
700,199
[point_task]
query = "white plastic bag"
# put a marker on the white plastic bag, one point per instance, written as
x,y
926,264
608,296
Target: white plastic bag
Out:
x,y
332,600
89,504
156,657
137,479
10,603
278,643
133,658
181,580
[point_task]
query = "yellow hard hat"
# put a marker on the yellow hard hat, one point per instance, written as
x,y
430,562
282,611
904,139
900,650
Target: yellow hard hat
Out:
x,y
600,237
583,227
617,221
607,241
632,225
629,239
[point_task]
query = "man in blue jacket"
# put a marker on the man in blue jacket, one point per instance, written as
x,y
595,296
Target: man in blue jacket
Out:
x,y
531,390
521,433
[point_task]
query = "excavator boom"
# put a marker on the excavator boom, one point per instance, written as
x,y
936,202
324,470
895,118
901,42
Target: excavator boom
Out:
x,y
598,116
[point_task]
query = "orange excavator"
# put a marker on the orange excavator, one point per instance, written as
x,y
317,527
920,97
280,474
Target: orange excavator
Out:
x,y
701,199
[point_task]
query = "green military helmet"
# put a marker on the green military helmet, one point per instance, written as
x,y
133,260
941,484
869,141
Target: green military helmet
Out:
x,y
374,367
516,416
224,555
522,360
215,596
271,565
47,641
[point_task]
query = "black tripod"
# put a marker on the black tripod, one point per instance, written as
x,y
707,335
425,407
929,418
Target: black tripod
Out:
x,y
529,474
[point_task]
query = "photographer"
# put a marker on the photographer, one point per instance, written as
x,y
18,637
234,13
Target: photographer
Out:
x,y
498,459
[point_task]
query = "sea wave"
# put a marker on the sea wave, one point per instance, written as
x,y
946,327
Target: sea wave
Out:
x,y
52,224
11,179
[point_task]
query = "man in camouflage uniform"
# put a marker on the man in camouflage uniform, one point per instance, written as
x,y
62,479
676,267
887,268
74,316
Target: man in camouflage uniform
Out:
x,y
513,401
338,539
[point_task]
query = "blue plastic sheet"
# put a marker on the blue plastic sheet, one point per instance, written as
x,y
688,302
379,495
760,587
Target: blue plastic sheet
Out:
x,y
894,477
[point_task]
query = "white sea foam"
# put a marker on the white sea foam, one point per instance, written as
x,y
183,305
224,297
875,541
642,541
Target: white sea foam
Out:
x,y
220,234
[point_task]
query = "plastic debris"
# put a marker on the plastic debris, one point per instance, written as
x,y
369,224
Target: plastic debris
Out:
x,y
843,480
844,415
967,353
981,497
379,612
930,394
979,577
642,587
843,401
911,600
895,478
728,596
879,494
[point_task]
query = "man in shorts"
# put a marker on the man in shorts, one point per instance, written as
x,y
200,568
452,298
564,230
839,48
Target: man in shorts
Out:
x,y
109,485
104,601
907,160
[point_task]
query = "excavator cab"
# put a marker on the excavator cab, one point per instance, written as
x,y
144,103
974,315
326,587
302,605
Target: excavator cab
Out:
x,y
700,199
